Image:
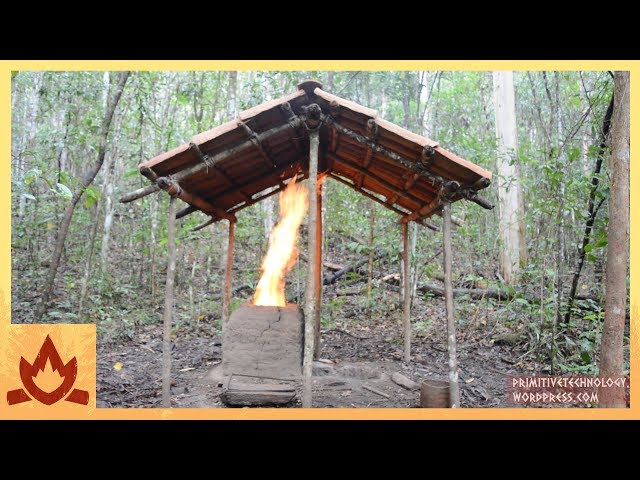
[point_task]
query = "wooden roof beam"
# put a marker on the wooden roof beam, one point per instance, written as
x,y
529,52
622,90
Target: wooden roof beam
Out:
x,y
253,201
253,137
188,210
372,134
424,211
380,181
172,187
380,201
292,118
366,194
272,173
467,192
207,160
214,160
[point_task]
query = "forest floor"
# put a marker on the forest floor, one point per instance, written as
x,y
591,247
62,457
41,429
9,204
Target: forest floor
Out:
x,y
362,353
362,341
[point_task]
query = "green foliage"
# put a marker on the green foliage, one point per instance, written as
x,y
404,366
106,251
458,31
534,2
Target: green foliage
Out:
x,y
56,117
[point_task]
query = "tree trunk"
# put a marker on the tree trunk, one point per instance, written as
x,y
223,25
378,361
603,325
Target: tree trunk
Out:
x,y
310,291
509,192
454,388
88,179
30,134
406,304
112,174
88,264
592,209
168,305
372,221
612,359
232,111
153,213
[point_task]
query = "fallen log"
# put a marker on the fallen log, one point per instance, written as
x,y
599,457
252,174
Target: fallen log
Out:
x,y
350,268
476,293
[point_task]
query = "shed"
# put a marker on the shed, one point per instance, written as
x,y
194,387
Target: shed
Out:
x,y
310,132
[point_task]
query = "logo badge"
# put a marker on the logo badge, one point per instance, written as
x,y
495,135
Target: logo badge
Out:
x,y
48,356
48,365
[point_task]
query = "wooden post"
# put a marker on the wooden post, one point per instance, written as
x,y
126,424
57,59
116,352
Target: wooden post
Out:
x,y
407,292
318,268
168,306
310,291
226,298
454,390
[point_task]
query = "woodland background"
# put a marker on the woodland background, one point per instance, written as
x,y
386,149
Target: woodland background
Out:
x,y
112,262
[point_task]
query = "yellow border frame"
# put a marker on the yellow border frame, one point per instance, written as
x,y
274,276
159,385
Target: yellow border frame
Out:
x,y
6,66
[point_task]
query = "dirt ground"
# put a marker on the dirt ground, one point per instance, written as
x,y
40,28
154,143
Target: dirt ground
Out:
x,y
357,356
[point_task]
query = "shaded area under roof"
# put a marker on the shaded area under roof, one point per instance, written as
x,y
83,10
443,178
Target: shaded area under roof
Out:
x,y
237,164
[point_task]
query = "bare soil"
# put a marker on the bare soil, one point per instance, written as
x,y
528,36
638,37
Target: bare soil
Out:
x,y
358,354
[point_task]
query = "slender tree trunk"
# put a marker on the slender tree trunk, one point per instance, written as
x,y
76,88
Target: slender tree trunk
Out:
x,y
372,221
88,264
232,111
413,269
168,305
454,388
108,217
592,209
112,174
312,253
612,359
30,134
508,181
406,99
329,84
88,179
153,213
406,305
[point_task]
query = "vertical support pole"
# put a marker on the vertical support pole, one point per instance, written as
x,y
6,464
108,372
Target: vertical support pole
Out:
x,y
226,299
454,389
310,291
318,267
168,305
407,292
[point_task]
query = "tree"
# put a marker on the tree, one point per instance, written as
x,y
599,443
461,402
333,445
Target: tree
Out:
x,y
612,359
508,179
88,179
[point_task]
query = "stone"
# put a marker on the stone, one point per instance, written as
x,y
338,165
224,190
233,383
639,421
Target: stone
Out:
x,y
404,382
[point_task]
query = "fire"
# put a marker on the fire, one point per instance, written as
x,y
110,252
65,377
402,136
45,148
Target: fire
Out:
x,y
282,252
48,379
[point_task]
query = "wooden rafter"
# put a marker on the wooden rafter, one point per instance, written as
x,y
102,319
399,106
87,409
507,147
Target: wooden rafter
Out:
x,y
393,208
207,160
424,211
174,189
380,181
214,160
253,137
248,203
467,192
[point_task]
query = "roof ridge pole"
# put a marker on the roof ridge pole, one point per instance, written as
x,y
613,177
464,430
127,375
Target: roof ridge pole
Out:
x,y
312,124
454,388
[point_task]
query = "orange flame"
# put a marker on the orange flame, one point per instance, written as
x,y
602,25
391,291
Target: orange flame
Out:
x,y
282,252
